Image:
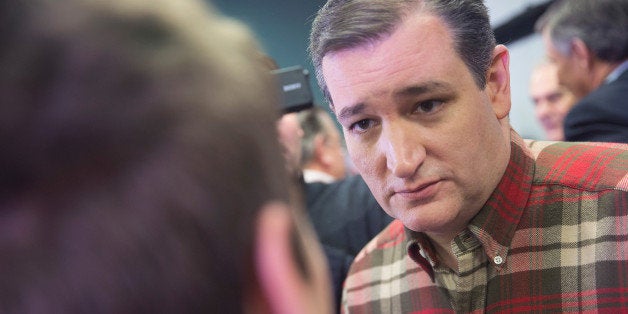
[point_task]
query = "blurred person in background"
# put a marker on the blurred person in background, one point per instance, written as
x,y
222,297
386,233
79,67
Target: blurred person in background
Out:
x,y
322,150
588,42
551,101
290,137
137,175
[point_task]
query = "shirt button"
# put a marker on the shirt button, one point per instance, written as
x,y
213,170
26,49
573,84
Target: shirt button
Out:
x,y
498,260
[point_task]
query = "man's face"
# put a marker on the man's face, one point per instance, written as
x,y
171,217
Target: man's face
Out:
x,y
551,101
569,71
425,138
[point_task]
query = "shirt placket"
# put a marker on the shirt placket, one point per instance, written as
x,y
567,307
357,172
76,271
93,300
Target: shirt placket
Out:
x,y
467,287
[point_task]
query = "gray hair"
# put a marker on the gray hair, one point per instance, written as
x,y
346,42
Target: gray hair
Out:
x,y
601,24
314,121
345,24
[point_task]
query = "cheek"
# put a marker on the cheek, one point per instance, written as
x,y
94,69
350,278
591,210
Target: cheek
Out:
x,y
563,72
361,157
564,106
356,156
560,110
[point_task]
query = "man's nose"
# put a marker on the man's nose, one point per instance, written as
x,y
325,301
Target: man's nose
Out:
x,y
403,150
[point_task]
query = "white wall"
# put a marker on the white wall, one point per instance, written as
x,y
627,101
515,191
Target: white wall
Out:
x,y
524,55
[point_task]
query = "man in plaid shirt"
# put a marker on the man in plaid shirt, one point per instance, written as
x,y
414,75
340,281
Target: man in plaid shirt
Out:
x,y
486,222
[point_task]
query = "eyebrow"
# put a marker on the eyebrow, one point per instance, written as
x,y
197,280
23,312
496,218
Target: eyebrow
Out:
x,y
408,91
348,112
428,87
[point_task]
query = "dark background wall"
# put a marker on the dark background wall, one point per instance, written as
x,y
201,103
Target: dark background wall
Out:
x,y
281,26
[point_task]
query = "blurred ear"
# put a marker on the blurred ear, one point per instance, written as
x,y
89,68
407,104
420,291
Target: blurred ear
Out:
x,y
285,284
276,268
581,53
321,150
498,82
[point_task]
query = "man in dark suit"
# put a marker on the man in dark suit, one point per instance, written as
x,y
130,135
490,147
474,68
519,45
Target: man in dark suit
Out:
x,y
587,39
335,206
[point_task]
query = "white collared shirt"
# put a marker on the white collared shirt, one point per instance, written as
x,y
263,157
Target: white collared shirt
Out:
x,y
617,72
310,176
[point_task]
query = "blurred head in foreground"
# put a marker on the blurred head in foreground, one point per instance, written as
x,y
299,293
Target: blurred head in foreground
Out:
x,y
138,175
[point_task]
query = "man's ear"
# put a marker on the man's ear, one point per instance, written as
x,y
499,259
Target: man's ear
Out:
x,y
320,149
276,268
498,82
292,273
581,54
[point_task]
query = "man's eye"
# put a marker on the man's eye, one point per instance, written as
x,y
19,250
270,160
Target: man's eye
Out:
x,y
554,97
428,106
361,126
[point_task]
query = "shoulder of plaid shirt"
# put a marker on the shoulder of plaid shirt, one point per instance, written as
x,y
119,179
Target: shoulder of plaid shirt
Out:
x,y
554,234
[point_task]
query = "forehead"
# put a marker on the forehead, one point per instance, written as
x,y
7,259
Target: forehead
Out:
x,y
544,77
420,50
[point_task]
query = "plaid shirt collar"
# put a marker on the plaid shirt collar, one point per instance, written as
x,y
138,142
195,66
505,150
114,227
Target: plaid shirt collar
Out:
x,y
495,224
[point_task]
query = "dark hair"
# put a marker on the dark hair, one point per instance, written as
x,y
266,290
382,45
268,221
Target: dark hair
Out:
x,y
133,162
601,24
344,24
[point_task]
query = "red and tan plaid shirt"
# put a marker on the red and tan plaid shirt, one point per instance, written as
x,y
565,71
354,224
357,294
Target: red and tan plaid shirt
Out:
x,y
552,237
